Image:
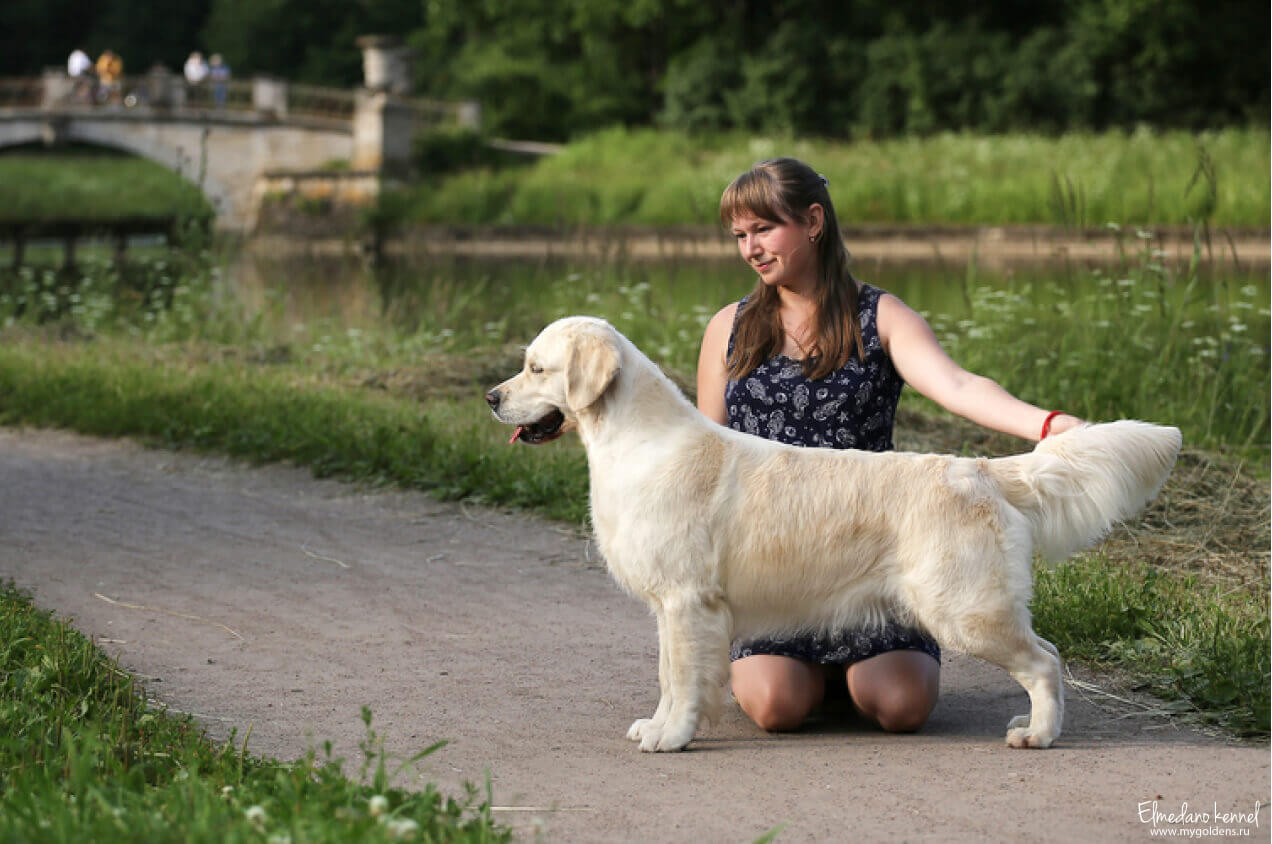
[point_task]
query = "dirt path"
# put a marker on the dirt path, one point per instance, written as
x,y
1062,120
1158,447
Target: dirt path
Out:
x,y
265,597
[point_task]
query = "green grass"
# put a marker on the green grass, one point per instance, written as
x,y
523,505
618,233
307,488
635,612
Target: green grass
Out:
x,y
83,757
655,177
1145,341
1199,646
265,413
93,186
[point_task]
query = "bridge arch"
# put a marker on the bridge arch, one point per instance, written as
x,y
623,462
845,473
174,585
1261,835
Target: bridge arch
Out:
x,y
158,149
221,154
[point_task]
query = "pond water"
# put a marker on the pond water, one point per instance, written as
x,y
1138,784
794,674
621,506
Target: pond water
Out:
x,y
661,303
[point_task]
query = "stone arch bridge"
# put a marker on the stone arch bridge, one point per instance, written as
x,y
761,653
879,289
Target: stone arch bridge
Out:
x,y
261,129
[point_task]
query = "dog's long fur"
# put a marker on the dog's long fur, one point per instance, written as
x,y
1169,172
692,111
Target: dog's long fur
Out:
x,y
725,534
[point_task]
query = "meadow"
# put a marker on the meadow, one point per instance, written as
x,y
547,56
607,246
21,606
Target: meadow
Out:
x,y
664,177
90,184
660,177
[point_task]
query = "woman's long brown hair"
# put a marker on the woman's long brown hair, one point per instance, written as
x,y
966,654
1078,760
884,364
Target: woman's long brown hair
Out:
x,y
781,190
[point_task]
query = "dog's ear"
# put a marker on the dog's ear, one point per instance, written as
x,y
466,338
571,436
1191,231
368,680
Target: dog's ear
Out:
x,y
593,365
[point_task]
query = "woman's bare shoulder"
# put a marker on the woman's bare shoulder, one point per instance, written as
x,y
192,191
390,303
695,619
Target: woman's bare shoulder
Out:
x,y
722,322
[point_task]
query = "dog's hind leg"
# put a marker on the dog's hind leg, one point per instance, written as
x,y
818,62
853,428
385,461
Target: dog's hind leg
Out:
x,y
1042,679
697,627
641,726
1006,639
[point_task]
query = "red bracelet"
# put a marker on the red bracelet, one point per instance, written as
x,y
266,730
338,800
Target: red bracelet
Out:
x,y
1046,423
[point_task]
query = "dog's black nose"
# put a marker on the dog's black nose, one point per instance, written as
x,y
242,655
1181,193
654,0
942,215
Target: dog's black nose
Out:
x,y
492,399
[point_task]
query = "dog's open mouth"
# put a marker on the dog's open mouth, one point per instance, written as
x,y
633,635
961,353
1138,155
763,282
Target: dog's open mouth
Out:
x,y
545,430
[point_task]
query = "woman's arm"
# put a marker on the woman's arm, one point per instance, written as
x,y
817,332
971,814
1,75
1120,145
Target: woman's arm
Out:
x,y
712,370
920,360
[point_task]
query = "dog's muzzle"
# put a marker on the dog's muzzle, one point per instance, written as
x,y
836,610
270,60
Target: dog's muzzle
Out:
x,y
544,430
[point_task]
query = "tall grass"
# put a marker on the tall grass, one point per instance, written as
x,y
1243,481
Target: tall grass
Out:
x,y
1147,341
93,186
84,757
646,176
1203,647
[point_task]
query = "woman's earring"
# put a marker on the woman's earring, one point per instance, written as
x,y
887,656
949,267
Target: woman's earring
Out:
x,y
812,238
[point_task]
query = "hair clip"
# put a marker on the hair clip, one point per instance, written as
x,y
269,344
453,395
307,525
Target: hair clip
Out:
x,y
825,181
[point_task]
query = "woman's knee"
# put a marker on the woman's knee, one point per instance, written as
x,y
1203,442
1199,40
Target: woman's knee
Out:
x,y
775,695
903,710
898,690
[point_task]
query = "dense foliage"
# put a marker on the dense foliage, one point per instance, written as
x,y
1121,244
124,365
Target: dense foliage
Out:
x,y
554,68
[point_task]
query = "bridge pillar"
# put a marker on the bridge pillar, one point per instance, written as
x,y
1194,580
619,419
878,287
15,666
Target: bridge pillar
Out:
x,y
164,89
269,95
383,124
58,88
386,64
382,131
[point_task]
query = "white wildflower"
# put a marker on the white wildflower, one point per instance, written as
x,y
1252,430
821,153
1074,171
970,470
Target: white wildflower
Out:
x,y
401,828
378,805
256,816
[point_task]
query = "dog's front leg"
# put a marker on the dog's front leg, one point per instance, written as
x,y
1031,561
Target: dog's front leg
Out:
x,y
641,726
696,628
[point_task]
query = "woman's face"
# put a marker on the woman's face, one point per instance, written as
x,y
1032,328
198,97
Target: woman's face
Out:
x,y
780,252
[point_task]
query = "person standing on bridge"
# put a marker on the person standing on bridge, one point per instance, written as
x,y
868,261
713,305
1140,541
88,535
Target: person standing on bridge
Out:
x,y
219,73
110,77
80,68
196,71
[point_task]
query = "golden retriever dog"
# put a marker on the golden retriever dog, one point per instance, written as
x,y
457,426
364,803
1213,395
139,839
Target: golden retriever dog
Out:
x,y
724,534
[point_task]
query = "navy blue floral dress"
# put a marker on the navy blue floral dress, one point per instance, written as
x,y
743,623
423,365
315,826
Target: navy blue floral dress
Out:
x,y
853,407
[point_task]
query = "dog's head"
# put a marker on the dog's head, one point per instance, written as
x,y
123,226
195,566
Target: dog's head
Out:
x,y
568,367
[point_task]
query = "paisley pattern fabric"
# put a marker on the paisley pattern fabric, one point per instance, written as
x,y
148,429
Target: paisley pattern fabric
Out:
x,y
853,407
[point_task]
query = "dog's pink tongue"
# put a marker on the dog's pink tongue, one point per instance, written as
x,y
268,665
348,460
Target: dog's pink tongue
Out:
x,y
516,434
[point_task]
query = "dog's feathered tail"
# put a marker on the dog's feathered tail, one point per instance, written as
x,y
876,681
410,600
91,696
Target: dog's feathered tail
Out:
x,y
1075,486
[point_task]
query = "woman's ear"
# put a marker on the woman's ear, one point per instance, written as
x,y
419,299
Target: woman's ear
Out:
x,y
816,219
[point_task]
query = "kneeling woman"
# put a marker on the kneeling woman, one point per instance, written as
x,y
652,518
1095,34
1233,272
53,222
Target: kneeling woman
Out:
x,y
813,357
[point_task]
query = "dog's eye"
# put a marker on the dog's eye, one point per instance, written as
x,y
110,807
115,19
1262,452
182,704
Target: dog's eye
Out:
x,y
535,368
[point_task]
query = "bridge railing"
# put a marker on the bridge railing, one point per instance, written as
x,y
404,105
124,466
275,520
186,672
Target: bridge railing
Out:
x,y
429,115
317,101
260,94
21,92
236,94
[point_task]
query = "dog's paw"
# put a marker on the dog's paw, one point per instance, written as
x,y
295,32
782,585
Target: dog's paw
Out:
x,y
665,737
1025,737
650,735
639,727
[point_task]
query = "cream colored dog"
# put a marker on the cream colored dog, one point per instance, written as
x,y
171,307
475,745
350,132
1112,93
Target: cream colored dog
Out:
x,y
725,534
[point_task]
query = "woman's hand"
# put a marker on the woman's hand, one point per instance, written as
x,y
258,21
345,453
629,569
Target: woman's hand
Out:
x,y
1064,422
